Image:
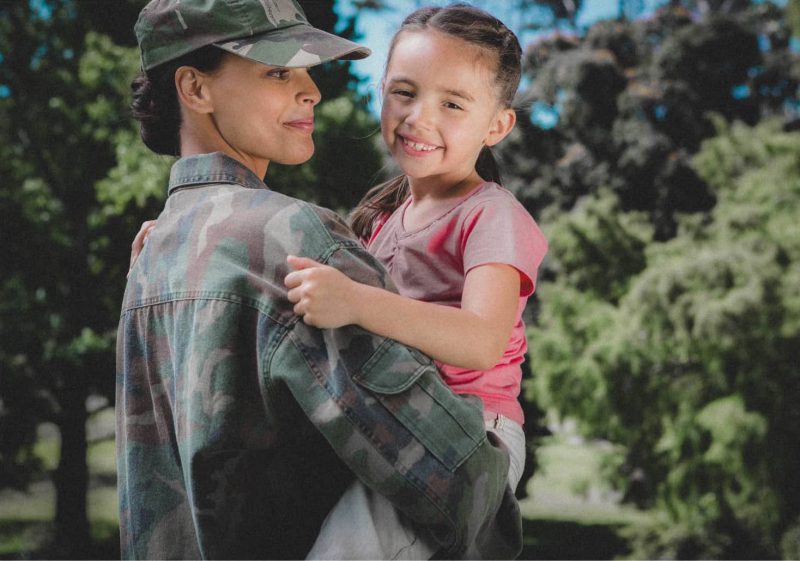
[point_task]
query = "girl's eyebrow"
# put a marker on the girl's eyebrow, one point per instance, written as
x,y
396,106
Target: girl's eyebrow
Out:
x,y
459,93
403,79
456,93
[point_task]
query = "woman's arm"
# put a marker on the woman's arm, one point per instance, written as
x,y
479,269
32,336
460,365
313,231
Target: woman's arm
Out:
x,y
474,336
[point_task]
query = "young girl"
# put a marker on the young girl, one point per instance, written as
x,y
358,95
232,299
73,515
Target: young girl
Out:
x,y
461,250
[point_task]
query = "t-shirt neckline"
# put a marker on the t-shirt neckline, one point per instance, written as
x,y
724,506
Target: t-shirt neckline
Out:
x,y
402,229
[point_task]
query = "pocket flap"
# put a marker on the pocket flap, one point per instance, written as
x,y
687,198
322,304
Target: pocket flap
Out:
x,y
450,427
386,372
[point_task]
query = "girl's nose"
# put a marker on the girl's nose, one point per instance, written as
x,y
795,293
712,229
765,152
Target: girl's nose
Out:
x,y
419,114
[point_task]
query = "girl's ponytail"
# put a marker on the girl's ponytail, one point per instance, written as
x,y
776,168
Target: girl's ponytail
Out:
x,y
487,167
387,197
381,199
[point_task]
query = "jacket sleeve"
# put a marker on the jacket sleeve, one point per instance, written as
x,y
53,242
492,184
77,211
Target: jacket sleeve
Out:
x,y
388,415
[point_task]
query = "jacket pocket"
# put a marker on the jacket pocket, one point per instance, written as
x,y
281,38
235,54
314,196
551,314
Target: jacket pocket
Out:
x,y
451,427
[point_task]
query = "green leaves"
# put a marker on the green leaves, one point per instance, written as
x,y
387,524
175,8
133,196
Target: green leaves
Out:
x,y
686,351
597,248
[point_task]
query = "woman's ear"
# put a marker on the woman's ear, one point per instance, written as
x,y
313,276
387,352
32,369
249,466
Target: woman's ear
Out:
x,y
502,124
193,94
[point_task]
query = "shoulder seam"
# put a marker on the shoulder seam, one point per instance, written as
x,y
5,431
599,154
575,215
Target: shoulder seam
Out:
x,y
204,295
333,244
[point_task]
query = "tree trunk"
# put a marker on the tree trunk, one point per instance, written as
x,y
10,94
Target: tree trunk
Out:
x,y
72,477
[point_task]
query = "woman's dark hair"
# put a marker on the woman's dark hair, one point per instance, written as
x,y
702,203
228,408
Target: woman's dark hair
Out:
x,y
155,100
482,30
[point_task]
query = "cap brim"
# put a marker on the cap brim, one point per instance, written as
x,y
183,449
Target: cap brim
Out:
x,y
298,46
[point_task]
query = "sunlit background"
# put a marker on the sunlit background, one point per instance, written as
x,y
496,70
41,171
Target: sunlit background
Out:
x,y
658,147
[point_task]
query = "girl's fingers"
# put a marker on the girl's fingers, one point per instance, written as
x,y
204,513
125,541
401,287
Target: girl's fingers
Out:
x,y
300,310
140,238
293,280
294,295
298,263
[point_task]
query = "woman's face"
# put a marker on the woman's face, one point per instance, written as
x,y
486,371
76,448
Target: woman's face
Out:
x,y
264,113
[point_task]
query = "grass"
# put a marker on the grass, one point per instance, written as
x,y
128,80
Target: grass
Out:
x,y
568,486
570,513
26,517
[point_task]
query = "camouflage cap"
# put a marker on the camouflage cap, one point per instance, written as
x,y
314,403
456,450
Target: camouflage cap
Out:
x,y
274,32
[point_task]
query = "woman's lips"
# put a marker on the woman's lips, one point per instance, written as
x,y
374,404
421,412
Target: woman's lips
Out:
x,y
305,125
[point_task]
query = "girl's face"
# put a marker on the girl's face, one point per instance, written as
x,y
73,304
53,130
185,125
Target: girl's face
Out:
x,y
440,108
264,113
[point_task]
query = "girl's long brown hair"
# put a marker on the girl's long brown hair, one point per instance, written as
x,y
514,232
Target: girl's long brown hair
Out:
x,y
478,28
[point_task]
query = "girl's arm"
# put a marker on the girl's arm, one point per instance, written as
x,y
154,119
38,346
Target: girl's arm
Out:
x,y
474,336
138,241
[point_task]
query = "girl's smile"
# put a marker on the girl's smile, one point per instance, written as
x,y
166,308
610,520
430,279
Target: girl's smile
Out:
x,y
438,116
415,146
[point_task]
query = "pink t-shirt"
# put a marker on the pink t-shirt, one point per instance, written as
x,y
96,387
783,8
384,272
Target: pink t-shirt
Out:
x,y
430,263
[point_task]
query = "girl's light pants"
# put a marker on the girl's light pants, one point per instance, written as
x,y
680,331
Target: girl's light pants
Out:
x,y
365,525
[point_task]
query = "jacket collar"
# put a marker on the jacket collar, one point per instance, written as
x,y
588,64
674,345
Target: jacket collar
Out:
x,y
211,168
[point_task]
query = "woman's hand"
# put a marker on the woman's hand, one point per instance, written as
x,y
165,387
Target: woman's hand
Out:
x,y
325,297
138,241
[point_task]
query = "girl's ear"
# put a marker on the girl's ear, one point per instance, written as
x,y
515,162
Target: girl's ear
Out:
x,y
192,90
503,123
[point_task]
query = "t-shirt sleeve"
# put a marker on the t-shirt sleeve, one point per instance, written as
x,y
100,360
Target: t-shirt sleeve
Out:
x,y
500,230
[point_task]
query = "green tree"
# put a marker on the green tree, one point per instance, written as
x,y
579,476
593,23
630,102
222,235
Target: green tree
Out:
x,y
77,183
625,106
693,367
793,15
58,280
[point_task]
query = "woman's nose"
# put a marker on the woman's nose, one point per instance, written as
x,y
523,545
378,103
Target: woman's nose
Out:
x,y
309,92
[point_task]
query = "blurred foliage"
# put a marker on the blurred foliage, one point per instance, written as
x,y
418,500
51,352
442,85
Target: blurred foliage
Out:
x,y
793,15
661,160
624,107
687,355
77,183
657,153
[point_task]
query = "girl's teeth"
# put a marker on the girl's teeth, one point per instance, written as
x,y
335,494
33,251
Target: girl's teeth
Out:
x,y
419,146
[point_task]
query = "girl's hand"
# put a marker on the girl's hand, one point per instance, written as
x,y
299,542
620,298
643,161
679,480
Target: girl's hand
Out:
x,y
138,241
324,296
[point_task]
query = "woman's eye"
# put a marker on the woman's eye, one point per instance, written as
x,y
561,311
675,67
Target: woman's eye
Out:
x,y
451,105
403,93
280,73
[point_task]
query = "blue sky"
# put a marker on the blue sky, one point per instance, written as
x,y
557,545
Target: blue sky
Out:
x,y
378,28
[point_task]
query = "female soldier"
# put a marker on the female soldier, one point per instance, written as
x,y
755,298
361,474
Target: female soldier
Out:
x,y
238,426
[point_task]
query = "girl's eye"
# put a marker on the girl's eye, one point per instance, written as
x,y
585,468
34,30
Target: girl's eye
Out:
x,y
451,105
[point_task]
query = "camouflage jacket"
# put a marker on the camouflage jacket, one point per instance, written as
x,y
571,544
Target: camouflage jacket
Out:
x,y
238,426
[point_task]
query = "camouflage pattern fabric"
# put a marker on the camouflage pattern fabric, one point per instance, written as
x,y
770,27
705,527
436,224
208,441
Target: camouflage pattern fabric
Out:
x,y
238,426
274,32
